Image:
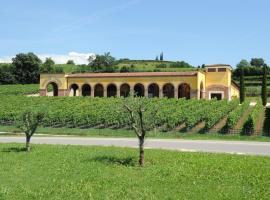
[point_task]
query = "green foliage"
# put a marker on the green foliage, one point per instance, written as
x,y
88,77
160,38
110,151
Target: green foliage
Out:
x,y
103,63
70,62
161,56
236,114
19,89
252,120
26,68
47,66
7,74
264,87
161,65
257,62
181,64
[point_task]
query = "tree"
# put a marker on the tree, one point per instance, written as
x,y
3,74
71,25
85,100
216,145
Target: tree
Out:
x,y
70,62
242,86
26,68
243,64
103,63
257,62
6,74
156,58
141,119
264,86
28,123
161,56
48,66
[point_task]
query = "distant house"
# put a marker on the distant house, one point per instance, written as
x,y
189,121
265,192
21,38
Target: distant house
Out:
x,y
214,82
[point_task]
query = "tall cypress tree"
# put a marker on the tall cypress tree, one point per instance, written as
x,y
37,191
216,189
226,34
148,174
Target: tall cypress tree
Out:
x,y
161,56
242,86
264,87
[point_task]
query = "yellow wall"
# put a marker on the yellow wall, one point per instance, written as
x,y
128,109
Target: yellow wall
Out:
x,y
235,92
59,79
219,78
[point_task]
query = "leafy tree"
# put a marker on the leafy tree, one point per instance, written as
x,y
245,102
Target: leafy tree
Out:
x,y
161,56
26,68
6,74
257,62
103,63
141,120
242,86
243,64
70,62
156,58
48,66
264,87
203,66
28,123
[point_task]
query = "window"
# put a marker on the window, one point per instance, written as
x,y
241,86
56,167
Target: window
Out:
x,y
218,96
221,69
211,70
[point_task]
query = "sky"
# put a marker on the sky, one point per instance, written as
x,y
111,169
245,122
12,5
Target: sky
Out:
x,y
198,32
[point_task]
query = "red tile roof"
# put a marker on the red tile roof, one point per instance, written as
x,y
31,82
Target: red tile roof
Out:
x,y
130,74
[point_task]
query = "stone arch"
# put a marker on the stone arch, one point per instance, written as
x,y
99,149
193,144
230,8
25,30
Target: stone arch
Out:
x,y
99,90
153,90
54,89
168,90
139,90
74,90
86,90
184,91
111,90
124,90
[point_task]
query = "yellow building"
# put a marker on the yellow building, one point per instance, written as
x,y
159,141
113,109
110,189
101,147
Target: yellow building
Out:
x,y
213,82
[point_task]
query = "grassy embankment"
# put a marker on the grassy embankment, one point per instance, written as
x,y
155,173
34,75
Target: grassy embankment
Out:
x,y
74,172
13,131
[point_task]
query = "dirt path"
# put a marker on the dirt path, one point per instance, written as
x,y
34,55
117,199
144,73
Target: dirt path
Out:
x,y
260,122
242,120
218,126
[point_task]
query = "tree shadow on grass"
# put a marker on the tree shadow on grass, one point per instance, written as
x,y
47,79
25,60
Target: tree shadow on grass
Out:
x,y
14,149
128,162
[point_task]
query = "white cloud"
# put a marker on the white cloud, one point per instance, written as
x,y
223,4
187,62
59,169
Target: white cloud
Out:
x,y
78,58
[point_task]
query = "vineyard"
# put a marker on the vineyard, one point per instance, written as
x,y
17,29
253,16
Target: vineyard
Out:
x,y
109,113
19,89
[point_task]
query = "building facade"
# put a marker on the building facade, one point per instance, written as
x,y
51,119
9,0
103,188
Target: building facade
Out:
x,y
212,82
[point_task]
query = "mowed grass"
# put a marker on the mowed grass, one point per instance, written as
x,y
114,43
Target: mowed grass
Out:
x,y
116,133
79,172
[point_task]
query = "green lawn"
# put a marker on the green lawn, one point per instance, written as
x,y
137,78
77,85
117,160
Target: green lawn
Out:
x,y
129,133
74,172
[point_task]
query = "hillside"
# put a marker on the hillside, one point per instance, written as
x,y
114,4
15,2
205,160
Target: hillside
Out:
x,y
136,65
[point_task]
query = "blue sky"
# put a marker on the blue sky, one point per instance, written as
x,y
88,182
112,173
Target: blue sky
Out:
x,y
209,31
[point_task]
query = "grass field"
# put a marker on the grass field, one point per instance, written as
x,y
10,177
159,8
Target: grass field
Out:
x,y
129,133
73,172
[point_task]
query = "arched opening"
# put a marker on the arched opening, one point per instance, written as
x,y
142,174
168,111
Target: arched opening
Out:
x,y
153,90
74,90
201,91
86,90
168,90
111,90
52,89
124,90
99,90
139,90
184,91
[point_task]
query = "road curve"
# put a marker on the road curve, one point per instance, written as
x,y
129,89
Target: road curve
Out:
x,y
237,147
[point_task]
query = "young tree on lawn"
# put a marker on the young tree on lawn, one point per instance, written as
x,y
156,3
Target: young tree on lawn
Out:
x,y
242,86
141,118
264,87
28,123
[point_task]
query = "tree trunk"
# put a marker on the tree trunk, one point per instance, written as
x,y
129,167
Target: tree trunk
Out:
x,y
28,143
141,145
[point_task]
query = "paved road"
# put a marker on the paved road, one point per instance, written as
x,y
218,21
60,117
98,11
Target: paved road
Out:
x,y
238,147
